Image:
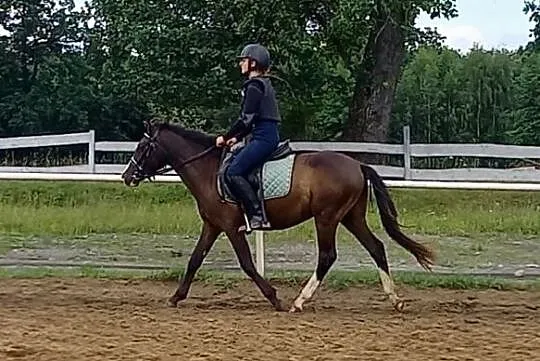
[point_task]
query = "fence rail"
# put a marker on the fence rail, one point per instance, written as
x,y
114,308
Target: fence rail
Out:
x,y
407,150
527,178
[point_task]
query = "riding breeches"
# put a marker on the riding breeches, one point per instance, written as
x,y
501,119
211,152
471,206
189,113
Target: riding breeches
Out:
x,y
254,153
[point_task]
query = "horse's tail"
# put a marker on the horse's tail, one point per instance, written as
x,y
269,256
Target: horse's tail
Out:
x,y
388,215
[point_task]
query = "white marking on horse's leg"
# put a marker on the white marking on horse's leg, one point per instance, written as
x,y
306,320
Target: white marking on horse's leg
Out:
x,y
307,292
388,287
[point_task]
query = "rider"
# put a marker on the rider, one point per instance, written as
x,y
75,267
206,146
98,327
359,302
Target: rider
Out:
x,y
258,125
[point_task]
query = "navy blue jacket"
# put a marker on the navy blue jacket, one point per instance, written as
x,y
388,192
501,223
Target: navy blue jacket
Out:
x,y
259,105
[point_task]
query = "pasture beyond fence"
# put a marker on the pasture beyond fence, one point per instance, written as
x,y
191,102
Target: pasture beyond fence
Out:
x,y
523,178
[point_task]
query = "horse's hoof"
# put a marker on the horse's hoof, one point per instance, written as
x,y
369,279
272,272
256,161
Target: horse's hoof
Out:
x,y
295,309
279,307
399,305
172,303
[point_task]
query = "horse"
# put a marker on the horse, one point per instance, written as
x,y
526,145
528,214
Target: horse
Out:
x,y
328,186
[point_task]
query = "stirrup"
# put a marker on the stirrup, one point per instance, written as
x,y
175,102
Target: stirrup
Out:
x,y
247,226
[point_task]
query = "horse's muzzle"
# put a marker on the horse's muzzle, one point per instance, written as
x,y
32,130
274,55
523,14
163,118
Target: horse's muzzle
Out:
x,y
131,182
130,177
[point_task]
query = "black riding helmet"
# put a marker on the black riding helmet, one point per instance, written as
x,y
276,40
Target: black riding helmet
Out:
x,y
258,53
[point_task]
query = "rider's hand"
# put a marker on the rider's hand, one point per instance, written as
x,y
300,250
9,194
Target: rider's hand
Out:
x,y
232,141
220,141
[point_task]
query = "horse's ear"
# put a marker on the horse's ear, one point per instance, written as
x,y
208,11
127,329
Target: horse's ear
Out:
x,y
147,127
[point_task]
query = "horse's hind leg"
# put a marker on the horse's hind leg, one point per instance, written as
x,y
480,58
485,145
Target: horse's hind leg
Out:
x,y
355,222
326,241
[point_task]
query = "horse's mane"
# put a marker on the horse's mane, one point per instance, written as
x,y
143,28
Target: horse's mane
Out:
x,y
198,137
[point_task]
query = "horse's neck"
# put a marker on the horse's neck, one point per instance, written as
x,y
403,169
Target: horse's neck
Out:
x,y
199,174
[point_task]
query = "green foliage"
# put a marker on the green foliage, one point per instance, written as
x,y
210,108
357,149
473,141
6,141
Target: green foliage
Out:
x,y
180,59
41,71
532,8
447,97
526,126
110,65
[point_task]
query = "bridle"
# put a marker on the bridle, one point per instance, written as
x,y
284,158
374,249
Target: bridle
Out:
x,y
140,174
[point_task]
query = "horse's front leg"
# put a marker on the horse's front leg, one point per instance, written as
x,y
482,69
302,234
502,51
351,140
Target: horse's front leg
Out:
x,y
208,236
241,248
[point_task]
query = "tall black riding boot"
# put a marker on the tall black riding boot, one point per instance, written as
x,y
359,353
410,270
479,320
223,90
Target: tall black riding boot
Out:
x,y
243,190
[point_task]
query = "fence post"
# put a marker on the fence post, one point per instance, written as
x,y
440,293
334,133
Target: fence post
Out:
x,y
259,251
92,151
407,152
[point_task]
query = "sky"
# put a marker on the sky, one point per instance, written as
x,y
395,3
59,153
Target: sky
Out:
x,y
490,23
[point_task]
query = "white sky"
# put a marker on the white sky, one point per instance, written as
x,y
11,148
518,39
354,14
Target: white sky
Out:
x,y
490,23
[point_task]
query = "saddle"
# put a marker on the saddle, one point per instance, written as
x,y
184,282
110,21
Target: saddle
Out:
x,y
270,180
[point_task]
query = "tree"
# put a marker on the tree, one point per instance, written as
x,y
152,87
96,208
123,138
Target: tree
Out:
x,y
340,61
526,127
532,8
42,38
391,25
447,97
179,58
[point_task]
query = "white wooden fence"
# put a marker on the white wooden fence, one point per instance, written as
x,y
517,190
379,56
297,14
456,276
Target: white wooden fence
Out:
x,y
407,150
527,178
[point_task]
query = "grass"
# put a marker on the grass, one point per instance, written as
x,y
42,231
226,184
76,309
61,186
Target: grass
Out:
x,y
336,280
478,254
74,209
339,280
77,208
109,222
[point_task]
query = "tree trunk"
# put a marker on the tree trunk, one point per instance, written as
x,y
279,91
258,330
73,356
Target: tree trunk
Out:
x,y
376,80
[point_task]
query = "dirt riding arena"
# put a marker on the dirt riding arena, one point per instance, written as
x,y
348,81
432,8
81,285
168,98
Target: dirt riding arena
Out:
x,y
85,319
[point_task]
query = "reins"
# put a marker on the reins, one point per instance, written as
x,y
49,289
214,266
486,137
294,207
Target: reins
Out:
x,y
143,175
197,156
184,163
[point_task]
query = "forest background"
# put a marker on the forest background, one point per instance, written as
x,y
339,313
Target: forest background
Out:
x,y
353,70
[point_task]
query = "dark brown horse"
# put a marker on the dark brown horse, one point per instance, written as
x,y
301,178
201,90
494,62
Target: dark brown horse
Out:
x,y
329,186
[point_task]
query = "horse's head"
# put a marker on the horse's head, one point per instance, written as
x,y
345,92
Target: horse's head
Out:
x,y
166,144
148,159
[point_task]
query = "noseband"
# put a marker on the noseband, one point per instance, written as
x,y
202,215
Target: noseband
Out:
x,y
140,174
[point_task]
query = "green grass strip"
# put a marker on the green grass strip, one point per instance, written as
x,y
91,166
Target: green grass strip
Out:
x,y
337,280
79,208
